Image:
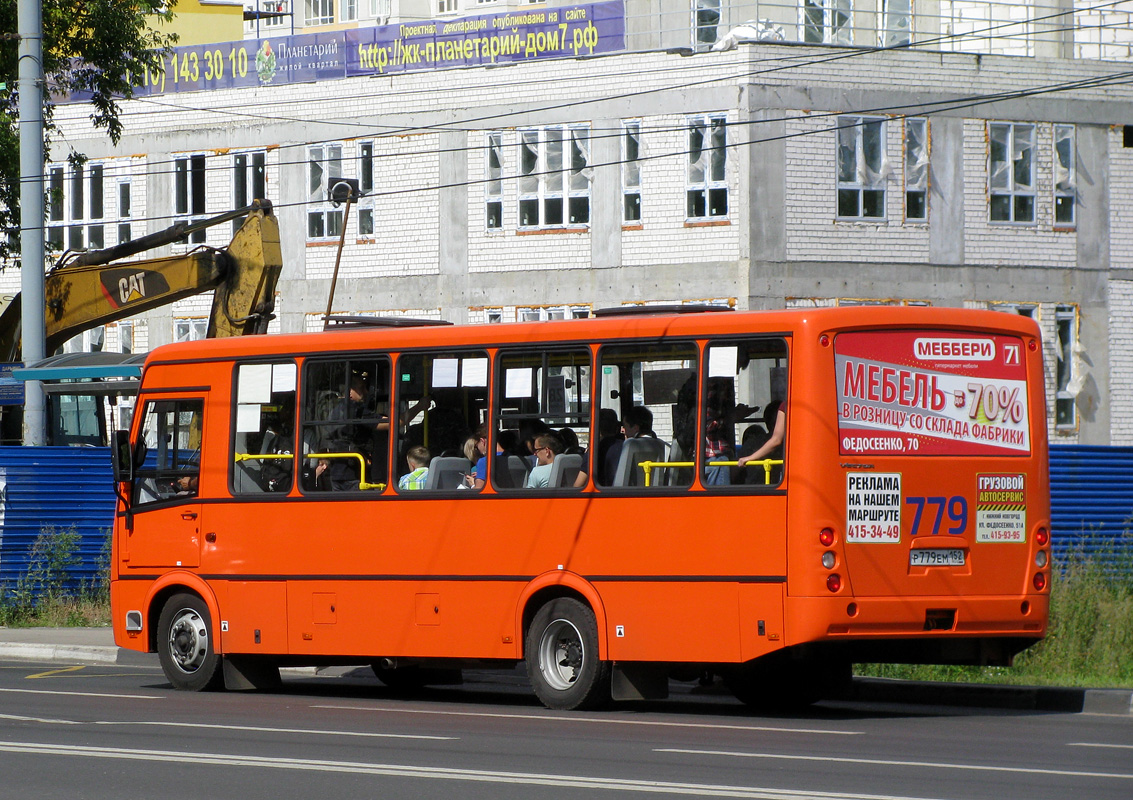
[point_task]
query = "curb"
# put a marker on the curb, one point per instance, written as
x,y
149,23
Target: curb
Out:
x,y
1017,698
71,653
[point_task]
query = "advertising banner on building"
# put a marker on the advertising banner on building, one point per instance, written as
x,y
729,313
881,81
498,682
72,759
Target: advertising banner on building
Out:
x,y
931,393
504,38
11,388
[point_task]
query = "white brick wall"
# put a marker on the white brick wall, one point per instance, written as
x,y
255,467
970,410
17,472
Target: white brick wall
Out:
x,y
1121,362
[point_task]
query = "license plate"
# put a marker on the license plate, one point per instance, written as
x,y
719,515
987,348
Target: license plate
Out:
x,y
936,557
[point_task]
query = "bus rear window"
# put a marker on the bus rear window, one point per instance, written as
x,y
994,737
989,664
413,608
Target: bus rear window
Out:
x,y
926,392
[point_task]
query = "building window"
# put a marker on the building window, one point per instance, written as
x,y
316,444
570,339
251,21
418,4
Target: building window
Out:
x,y
75,207
861,167
249,181
349,9
318,12
707,192
494,185
1011,172
631,171
446,6
705,21
1065,175
896,28
365,188
275,13
546,313
916,170
827,21
1066,379
554,177
380,9
126,336
189,192
324,165
125,232
190,329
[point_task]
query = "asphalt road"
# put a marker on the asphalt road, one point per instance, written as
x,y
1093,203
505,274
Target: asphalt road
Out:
x,y
119,731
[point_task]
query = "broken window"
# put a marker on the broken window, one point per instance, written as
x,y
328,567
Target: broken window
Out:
x,y
916,169
1011,172
862,167
707,193
896,28
1065,174
1067,380
827,21
705,21
324,165
554,177
494,187
631,171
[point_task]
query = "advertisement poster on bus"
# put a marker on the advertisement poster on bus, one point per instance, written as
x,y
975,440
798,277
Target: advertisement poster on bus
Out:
x,y
931,393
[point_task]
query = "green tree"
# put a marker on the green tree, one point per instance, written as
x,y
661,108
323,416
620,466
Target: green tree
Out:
x,y
90,48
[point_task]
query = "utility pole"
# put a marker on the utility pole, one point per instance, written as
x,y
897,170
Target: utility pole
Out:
x,y
34,331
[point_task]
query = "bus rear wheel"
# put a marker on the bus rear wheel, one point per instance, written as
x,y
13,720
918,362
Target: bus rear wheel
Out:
x,y
561,652
185,644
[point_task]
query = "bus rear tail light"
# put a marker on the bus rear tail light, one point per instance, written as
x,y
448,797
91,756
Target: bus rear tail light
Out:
x,y
829,559
834,582
826,537
1042,537
1039,581
1040,559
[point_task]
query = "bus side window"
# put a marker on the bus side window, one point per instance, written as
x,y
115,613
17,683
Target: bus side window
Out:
x,y
544,419
442,397
344,434
168,451
263,458
746,385
651,388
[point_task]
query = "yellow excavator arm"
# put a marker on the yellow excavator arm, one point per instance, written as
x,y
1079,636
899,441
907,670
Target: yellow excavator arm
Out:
x,y
93,288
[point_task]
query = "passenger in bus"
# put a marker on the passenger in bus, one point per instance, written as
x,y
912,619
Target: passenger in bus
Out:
x,y
547,446
638,424
186,485
418,458
722,413
775,418
570,442
469,449
343,473
609,432
479,474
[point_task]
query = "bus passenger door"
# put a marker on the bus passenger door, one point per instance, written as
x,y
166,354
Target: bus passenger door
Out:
x,y
166,503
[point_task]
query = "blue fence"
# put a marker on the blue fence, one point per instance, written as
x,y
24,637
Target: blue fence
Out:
x,y
1091,500
60,488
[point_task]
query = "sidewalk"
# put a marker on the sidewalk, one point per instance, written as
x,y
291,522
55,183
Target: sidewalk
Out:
x,y
96,646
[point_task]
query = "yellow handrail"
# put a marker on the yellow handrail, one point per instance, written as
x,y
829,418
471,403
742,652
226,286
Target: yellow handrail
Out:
x,y
767,464
362,484
262,456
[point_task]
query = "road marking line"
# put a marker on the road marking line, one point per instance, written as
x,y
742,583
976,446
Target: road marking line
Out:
x,y
894,763
366,734
600,720
1100,744
86,694
45,721
53,672
436,773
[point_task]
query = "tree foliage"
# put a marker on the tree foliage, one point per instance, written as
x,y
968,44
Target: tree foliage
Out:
x,y
90,49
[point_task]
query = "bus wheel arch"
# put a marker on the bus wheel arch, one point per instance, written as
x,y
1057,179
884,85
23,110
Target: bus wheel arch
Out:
x,y
173,584
546,588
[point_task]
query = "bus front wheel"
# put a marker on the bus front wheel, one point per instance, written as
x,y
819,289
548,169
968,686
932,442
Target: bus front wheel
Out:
x,y
185,644
561,652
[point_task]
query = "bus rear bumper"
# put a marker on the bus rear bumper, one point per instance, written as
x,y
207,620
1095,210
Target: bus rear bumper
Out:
x,y
967,630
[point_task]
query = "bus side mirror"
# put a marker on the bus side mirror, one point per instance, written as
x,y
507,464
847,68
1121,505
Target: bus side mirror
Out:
x,y
121,455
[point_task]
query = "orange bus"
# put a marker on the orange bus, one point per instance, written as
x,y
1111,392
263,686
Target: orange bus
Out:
x,y
620,501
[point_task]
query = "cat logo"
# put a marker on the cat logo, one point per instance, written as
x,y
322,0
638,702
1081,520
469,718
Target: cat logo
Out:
x,y
125,287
